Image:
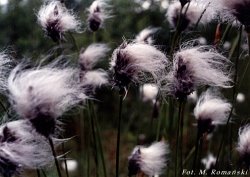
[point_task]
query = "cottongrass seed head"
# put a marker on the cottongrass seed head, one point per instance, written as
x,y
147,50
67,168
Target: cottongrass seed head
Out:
x,y
197,66
56,19
43,94
91,80
21,147
149,92
150,160
231,10
243,146
138,63
146,35
91,55
191,14
211,111
99,11
209,161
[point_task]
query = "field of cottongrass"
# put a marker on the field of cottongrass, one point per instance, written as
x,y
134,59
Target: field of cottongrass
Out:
x,y
124,88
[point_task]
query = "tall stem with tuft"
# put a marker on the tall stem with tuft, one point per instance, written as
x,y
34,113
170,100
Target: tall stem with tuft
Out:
x,y
118,136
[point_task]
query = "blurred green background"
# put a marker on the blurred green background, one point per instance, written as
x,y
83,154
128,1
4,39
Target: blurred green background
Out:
x,y
24,39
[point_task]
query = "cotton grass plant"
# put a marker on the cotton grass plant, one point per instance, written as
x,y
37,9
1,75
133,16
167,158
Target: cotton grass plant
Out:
x,y
171,72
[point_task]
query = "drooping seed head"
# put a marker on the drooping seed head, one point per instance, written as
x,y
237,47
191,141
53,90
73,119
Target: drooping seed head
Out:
x,y
21,147
99,11
145,36
91,55
41,95
197,66
138,63
56,19
211,111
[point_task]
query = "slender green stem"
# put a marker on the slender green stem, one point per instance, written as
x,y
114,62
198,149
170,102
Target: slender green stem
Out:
x,y
199,153
196,149
118,137
94,37
99,140
223,38
38,173
177,138
4,108
248,41
181,133
44,174
74,42
65,160
94,136
234,97
54,155
192,151
198,21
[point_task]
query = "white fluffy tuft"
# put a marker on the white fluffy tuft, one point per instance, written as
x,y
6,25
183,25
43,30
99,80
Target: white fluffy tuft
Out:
x,y
100,10
209,161
244,140
149,92
153,158
95,78
139,62
211,106
145,36
198,66
92,54
46,90
54,12
23,146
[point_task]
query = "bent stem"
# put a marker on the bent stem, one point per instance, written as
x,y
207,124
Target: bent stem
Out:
x,y
54,155
118,136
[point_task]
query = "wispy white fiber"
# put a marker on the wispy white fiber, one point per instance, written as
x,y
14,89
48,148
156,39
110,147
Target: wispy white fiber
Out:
x,y
243,146
149,92
198,66
23,147
48,91
95,78
211,106
92,54
137,62
146,35
56,19
99,11
152,160
209,161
